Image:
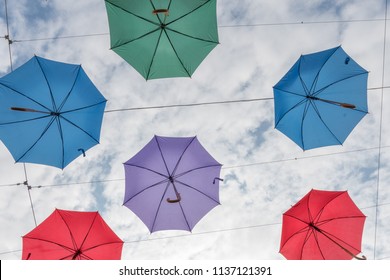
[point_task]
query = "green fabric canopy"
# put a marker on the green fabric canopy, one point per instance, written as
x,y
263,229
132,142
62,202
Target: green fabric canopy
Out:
x,y
163,38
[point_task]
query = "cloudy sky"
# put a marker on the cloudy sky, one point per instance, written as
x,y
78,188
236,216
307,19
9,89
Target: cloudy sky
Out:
x,y
264,172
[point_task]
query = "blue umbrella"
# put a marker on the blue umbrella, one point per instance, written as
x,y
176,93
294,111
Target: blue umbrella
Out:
x,y
50,112
321,99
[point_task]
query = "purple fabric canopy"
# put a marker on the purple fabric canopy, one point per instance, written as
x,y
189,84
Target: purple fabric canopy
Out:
x,y
172,183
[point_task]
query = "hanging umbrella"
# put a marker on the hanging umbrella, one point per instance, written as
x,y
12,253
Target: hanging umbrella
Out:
x,y
50,112
163,38
323,225
72,235
321,99
172,183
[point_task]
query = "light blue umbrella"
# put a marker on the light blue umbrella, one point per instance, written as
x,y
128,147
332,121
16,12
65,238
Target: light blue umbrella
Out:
x,y
321,99
50,112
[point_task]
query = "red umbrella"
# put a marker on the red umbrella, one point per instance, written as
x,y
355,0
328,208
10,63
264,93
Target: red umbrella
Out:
x,y
323,225
72,235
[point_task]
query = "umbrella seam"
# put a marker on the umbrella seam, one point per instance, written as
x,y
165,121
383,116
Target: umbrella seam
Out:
x,y
194,169
70,91
48,85
27,120
181,156
289,110
192,37
141,191
195,189
85,107
158,208
123,9
39,138
319,71
70,232
75,125
190,12
154,53
22,94
135,39
145,168
177,55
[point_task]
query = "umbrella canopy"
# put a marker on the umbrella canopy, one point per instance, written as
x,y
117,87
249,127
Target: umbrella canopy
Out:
x,y
50,112
172,183
321,99
323,225
72,235
163,38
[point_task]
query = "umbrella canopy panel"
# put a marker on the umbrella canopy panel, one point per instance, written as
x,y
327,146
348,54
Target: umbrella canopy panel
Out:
x,y
321,99
72,235
50,112
163,38
172,183
324,225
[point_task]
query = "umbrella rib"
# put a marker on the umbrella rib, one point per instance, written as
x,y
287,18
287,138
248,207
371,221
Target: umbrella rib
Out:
x,y
48,85
319,116
318,243
162,156
292,108
59,126
195,189
99,245
149,187
89,230
49,241
39,138
174,49
302,122
22,94
70,91
194,169
75,125
85,107
135,39
27,120
151,170
318,92
131,13
159,206
181,156
319,71
70,232
192,37
154,53
190,12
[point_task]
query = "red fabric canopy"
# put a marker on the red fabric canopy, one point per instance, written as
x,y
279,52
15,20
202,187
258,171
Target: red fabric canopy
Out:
x,y
67,235
323,225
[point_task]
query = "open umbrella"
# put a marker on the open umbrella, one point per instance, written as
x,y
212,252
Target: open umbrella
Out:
x,y
323,225
163,38
172,183
321,99
50,112
72,235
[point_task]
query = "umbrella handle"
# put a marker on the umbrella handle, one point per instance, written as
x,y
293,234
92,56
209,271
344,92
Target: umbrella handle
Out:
x,y
216,178
159,11
178,198
27,110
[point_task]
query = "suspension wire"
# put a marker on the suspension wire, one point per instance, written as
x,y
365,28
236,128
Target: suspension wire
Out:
x,y
7,37
205,103
380,130
220,26
223,167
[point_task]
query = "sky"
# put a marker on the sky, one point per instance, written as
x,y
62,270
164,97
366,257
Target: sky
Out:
x,y
264,172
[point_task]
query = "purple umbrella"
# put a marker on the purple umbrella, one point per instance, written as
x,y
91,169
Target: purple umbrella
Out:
x,y
172,183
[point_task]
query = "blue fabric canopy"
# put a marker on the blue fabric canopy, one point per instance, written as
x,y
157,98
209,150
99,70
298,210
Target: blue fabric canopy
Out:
x,y
321,99
50,112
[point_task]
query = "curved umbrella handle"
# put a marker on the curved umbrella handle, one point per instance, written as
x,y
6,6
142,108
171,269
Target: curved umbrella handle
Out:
x,y
177,199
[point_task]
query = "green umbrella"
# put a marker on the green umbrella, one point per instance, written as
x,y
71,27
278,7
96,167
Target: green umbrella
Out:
x,y
163,38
